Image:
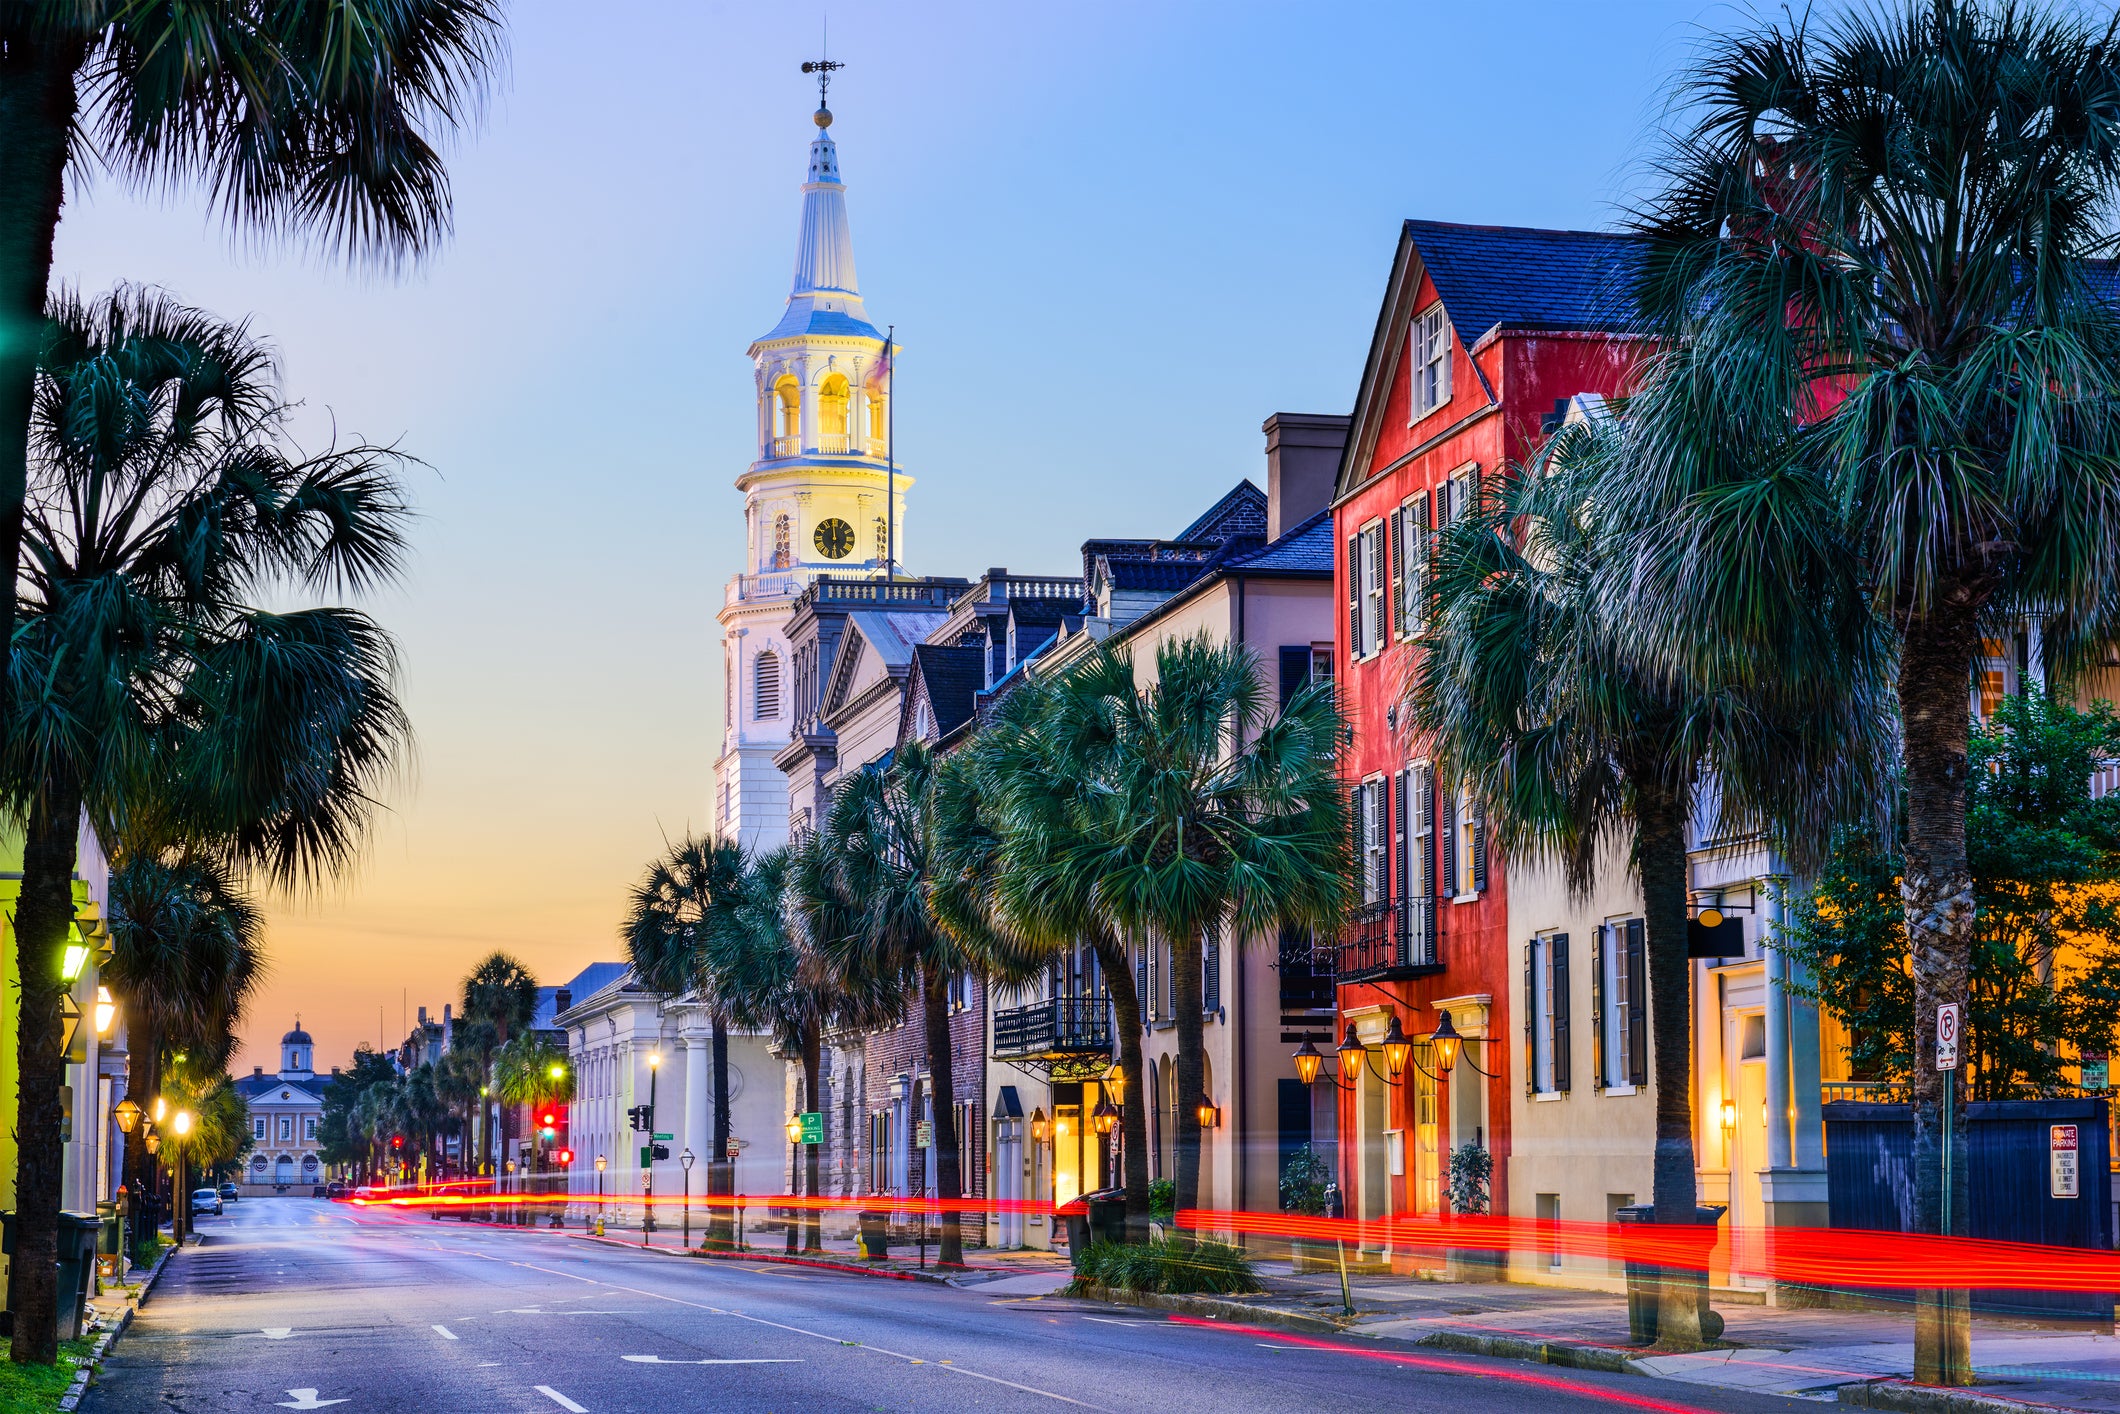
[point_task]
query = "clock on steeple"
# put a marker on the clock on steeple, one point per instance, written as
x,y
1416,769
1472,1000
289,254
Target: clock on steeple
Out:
x,y
835,539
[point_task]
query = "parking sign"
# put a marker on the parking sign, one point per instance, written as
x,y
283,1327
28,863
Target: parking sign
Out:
x,y
2064,1174
1947,1036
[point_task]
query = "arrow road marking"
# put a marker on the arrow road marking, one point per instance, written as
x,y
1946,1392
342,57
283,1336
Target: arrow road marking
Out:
x,y
658,1360
269,1333
560,1399
445,1332
306,1399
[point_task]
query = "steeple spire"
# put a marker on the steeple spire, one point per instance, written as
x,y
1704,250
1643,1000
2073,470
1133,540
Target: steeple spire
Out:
x,y
826,298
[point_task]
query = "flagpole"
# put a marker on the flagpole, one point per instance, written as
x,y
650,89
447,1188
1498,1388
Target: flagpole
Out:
x,y
890,456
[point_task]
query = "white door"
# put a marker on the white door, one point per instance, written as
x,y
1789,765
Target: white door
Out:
x,y
1008,1181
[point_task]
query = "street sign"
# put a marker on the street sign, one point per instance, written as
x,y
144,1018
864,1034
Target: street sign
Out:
x,y
2064,1170
1947,1036
735,1148
924,1134
664,1138
647,1155
813,1127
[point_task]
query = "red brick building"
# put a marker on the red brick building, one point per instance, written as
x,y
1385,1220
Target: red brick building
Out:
x,y
1483,334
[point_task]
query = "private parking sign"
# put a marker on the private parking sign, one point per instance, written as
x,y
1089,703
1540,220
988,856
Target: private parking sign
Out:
x,y
1947,1036
2063,1170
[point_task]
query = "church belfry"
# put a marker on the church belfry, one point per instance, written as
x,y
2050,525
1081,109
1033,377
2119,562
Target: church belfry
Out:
x,y
821,495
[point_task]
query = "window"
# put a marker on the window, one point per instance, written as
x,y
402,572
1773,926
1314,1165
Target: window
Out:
x,y
1410,551
1417,862
765,686
1618,1004
1466,852
257,1127
1371,824
1546,1037
783,543
832,411
286,1128
1454,496
309,1127
1431,362
1365,590
883,541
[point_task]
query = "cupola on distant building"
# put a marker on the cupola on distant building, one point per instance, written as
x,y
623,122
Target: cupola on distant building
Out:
x,y
285,1110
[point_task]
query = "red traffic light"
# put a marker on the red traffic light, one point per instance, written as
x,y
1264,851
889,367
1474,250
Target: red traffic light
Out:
x,y
397,1141
548,1119
565,1156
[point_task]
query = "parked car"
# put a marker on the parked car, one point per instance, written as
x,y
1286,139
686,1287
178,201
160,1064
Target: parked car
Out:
x,y
334,1190
319,1192
229,1193
206,1200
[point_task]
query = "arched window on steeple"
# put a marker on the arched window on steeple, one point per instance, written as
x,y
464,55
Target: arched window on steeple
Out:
x,y
765,693
787,430
783,543
879,434
833,408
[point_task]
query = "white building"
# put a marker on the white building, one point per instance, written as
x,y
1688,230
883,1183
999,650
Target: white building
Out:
x,y
285,1110
819,499
631,1047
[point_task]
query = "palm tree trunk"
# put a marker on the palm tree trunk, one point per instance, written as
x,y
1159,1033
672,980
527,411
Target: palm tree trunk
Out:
x,y
721,1225
812,1068
42,914
1133,1115
1660,844
38,104
1936,887
942,1085
1192,1062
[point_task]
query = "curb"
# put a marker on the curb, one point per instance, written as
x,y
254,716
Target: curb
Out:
x,y
1544,1352
1928,1399
1215,1309
85,1371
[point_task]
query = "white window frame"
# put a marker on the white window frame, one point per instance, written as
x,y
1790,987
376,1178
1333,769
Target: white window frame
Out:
x,y
1544,1081
1375,807
1429,342
1371,585
1619,1071
1416,540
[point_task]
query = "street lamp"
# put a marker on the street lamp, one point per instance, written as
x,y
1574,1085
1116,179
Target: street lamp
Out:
x,y
180,1126
794,1128
106,1011
1210,1113
1039,1125
153,1143
599,1187
1115,1084
1105,1118
684,1161
128,1116
1396,1049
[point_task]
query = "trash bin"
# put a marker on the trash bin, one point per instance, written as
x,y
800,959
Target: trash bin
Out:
x,y
1107,1214
875,1235
1076,1216
77,1255
1645,1279
110,1244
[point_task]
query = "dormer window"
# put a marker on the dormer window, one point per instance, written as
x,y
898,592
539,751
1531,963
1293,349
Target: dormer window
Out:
x,y
1431,362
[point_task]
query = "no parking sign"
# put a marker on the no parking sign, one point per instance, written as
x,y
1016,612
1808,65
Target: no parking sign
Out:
x,y
2063,1170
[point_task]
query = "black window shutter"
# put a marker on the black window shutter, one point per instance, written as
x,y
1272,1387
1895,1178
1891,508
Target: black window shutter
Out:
x,y
1446,825
1295,670
1418,551
1531,1017
1211,972
1477,809
1401,786
1357,814
1144,1001
1597,1008
1398,573
1637,1004
1562,987
1354,596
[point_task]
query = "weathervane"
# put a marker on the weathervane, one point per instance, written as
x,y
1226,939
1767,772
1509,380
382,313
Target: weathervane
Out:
x,y
823,69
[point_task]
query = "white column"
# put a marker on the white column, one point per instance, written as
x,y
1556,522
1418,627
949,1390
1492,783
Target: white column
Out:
x,y
1778,1058
697,1136
809,406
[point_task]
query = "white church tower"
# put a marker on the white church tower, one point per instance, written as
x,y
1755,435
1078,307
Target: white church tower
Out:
x,y
816,500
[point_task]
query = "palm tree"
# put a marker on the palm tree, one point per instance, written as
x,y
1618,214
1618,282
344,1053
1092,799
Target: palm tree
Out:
x,y
1530,695
1007,808
186,958
318,120
694,888
1887,351
769,983
459,1081
500,996
1203,812
166,497
864,895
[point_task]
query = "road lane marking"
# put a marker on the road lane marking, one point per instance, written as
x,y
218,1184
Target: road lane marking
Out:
x,y
269,1333
560,1399
1108,1321
444,1332
307,1399
658,1360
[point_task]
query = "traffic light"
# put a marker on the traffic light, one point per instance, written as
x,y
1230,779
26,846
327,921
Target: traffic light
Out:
x,y
397,1141
642,1118
547,1120
563,1156
661,1151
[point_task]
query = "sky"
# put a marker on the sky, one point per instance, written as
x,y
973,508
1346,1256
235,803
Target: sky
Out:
x,y
1114,238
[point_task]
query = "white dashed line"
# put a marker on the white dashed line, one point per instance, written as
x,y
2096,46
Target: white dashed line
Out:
x,y
560,1399
445,1333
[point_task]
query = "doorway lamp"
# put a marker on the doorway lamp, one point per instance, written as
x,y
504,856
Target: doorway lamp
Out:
x,y
1447,1044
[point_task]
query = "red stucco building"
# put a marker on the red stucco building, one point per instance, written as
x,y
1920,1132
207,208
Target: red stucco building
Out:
x,y
1485,333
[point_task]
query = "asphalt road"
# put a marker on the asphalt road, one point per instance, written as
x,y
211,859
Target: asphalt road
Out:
x,y
298,1303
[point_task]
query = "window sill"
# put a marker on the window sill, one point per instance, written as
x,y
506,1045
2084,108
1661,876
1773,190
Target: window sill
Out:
x,y
1420,417
1622,1090
1545,1095
1465,898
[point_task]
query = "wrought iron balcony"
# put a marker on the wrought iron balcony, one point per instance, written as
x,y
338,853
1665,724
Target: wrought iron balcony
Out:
x,y
1074,1028
1388,942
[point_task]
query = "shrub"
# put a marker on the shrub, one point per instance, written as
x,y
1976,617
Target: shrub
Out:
x,y
1162,1200
1303,1183
1471,1166
1172,1268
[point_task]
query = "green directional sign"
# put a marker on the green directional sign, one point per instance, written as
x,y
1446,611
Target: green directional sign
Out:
x,y
664,1138
813,1127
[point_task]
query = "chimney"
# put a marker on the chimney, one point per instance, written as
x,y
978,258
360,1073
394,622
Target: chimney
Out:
x,y
423,1018
257,1072
1302,462
562,1000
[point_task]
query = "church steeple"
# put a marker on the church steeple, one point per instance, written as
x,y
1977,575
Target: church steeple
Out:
x,y
826,298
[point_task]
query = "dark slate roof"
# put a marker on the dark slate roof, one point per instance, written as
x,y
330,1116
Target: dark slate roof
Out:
x,y
1154,574
1241,512
954,676
591,979
1040,612
1307,549
1489,275
252,1086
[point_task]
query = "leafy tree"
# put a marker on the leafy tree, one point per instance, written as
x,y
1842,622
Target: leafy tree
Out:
x,y
500,997
1888,365
342,1138
167,499
2045,981
1534,698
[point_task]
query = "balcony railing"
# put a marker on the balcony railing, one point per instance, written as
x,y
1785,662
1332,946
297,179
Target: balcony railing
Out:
x,y
777,585
787,446
1387,942
1058,1026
